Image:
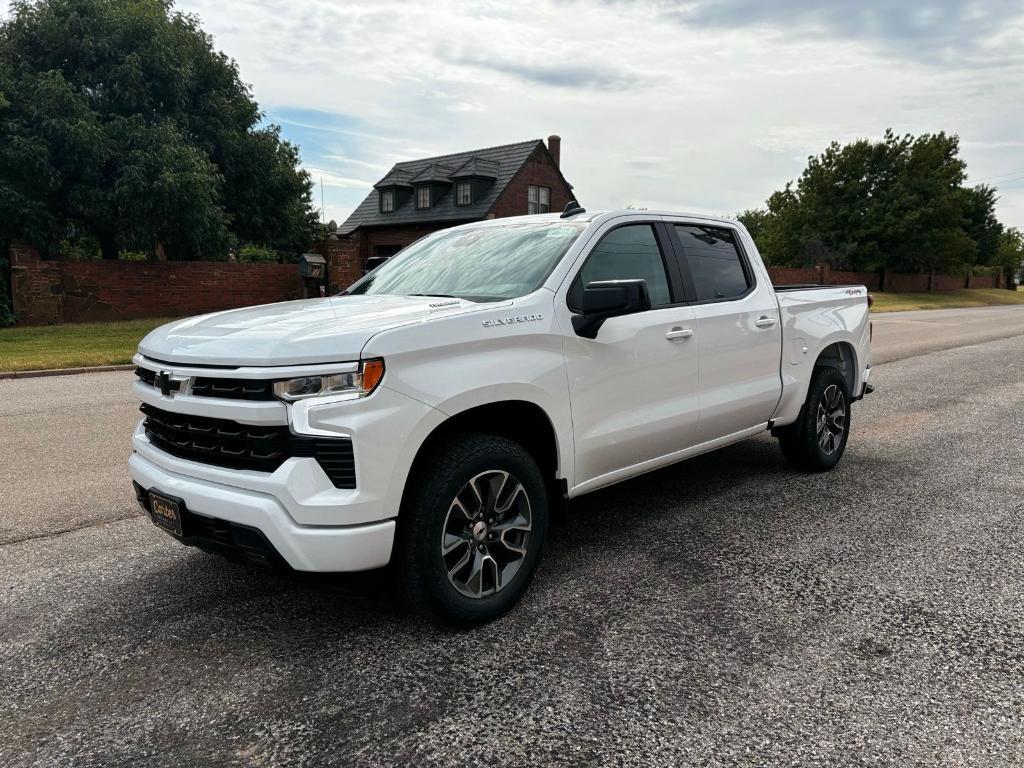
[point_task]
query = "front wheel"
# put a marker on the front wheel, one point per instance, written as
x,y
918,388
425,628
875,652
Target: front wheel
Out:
x,y
472,529
817,440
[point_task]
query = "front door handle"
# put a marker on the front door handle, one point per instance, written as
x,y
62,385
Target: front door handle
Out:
x,y
764,322
678,333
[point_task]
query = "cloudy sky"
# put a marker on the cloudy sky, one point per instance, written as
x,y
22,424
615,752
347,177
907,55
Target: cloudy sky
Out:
x,y
707,105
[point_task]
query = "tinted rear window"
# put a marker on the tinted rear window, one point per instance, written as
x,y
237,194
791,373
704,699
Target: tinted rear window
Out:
x,y
715,262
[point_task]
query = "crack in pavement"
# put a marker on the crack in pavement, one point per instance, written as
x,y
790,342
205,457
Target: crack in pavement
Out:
x,y
69,529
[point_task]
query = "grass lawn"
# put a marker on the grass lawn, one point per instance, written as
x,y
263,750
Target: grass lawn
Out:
x,y
73,345
975,297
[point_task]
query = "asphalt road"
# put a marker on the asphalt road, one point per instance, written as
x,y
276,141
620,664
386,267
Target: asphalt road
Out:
x,y
726,611
903,334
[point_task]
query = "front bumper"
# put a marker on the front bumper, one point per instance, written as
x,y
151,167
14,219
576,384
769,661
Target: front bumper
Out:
x,y
300,547
311,524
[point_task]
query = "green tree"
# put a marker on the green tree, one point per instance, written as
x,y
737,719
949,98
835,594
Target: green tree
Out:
x,y
1010,251
900,203
981,224
120,121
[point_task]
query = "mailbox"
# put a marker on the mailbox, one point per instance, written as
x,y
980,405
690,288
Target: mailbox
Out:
x,y
312,266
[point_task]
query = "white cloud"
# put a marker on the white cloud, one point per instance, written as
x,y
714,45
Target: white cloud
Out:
x,y
328,179
655,106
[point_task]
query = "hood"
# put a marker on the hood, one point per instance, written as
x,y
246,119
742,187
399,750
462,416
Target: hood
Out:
x,y
325,330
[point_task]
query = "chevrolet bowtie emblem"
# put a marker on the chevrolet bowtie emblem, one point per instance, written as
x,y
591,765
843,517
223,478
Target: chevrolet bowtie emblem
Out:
x,y
163,382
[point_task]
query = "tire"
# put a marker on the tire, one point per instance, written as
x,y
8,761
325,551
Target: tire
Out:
x,y
815,442
479,497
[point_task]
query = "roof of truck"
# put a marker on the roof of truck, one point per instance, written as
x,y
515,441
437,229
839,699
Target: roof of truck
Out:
x,y
592,216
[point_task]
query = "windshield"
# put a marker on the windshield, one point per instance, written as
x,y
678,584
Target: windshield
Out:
x,y
484,264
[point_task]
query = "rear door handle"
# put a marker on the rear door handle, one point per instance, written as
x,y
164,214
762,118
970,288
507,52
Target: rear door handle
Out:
x,y
678,333
764,322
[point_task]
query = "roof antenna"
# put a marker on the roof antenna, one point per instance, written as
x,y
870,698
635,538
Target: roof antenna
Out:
x,y
571,209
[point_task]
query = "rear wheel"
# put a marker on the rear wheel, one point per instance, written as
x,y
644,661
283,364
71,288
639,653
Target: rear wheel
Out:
x,y
472,529
817,440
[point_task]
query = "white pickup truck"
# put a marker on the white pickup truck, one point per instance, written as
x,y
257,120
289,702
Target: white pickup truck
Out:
x,y
430,415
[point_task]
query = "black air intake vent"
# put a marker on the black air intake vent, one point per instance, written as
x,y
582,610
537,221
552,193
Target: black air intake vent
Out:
x,y
334,456
229,444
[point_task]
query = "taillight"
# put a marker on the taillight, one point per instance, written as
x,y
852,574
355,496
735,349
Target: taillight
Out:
x,y
871,301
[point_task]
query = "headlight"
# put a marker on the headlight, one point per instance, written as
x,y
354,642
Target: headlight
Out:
x,y
359,383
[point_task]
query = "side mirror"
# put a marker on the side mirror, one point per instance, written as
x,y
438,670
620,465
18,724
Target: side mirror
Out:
x,y
609,298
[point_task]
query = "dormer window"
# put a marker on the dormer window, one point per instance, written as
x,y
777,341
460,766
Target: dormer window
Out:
x,y
423,197
387,201
463,193
538,199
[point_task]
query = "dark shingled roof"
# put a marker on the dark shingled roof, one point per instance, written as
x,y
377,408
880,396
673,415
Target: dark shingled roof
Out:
x,y
500,163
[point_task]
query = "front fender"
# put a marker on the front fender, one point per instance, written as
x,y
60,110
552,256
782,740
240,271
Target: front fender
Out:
x,y
453,366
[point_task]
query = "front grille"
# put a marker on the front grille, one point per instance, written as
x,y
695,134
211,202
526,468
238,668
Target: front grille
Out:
x,y
229,444
149,377
233,389
208,386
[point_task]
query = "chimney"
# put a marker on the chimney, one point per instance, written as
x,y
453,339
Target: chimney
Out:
x,y
555,147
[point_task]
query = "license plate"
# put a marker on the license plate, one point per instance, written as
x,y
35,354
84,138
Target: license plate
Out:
x,y
166,513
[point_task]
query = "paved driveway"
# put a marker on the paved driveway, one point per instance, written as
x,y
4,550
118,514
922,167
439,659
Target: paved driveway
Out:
x,y
724,611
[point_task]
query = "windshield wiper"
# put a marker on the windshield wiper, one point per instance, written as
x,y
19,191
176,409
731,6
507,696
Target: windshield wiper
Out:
x,y
434,295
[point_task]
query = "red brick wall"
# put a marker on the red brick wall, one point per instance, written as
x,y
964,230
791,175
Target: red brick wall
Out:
x,y
868,279
982,281
47,292
538,171
822,274
947,282
793,276
905,283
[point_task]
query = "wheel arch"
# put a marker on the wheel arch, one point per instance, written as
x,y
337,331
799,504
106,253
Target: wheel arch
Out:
x,y
521,421
841,355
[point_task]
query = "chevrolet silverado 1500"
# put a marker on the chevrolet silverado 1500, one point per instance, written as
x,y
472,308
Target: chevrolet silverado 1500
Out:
x,y
427,417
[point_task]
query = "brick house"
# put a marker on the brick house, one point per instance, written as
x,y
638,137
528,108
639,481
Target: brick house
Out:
x,y
417,197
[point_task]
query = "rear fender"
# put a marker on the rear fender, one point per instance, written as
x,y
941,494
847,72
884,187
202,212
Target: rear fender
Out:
x,y
799,358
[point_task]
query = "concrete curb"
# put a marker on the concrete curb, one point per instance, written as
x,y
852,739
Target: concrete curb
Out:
x,y
63,371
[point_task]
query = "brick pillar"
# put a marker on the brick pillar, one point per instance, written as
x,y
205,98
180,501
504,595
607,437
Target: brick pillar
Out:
x,y
344,266
36,289
22,254
824,274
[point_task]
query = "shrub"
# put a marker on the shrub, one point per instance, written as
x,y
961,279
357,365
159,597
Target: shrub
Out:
x,y
78,249
257,254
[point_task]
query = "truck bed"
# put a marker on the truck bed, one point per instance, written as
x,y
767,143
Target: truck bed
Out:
x,y
811,286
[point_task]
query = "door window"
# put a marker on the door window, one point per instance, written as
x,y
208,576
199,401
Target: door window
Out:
x,y
625,253
714,261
